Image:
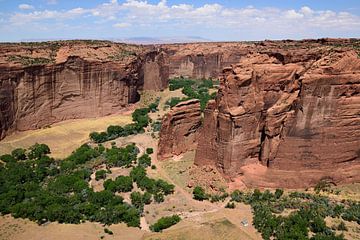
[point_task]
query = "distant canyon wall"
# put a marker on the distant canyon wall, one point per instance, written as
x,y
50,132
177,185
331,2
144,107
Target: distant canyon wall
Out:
x,y
203,60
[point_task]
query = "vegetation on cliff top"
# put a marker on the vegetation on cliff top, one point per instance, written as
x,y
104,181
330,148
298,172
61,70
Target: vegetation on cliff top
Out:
x,y
29,61
193,89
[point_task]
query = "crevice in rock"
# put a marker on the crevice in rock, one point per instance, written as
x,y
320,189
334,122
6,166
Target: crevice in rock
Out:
x,y
262,141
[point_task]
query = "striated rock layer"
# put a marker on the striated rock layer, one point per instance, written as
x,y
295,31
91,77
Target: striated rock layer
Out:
x,y
286,121
179,129
44,83
203,60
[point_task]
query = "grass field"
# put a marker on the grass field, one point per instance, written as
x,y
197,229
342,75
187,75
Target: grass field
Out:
x,y
63,137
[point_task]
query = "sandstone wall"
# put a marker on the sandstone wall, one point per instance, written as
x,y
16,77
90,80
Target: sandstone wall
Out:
x,y
77,80
155,71
179,129
298,118
34,97
203,60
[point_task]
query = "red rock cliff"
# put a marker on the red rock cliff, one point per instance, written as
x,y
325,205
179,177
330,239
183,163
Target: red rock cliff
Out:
x,y
179,130
44,83
203,60
286,119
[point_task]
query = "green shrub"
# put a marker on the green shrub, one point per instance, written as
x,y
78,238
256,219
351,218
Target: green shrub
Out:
x,y
230,205
217,198
193,90
156,126
149,150
108,231
19,154
172,102
159,197
138,173
138,200
7,158
279,193
237,196
199,194
119,157
38,150
101,174
121,184
144,161
342,226
178,83
140,118
322,186
153,107
83,154
165,222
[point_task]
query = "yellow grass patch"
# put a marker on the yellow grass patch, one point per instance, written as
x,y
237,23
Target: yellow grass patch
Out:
x,y
64,137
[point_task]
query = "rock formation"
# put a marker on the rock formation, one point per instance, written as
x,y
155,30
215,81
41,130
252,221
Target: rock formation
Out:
x,y
286,121
179,129
203,60
44,83
286,114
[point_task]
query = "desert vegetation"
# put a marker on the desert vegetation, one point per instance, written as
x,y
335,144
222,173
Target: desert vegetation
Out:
x,y
29,61
193,89
165,222
140,118
40,188
307,216
294,215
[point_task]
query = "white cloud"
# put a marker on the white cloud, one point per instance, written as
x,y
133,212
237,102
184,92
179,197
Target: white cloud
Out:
x,y
292,14
298,22
121,25
306,10
25,6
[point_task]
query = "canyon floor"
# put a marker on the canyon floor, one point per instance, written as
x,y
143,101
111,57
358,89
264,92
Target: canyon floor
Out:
x,y
200,220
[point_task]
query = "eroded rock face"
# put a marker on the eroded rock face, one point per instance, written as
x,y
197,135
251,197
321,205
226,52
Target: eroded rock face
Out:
x,y
203,60
179,129
44,83
286,122
37,96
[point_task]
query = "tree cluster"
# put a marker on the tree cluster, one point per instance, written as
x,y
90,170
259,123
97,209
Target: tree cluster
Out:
x,y
140,118
35,186
307,221
165,222
193,89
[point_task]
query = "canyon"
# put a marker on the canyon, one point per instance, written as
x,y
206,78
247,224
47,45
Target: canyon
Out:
x,y
287,113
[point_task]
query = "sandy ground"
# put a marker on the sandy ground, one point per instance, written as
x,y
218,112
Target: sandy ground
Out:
x,y
20,229
64,137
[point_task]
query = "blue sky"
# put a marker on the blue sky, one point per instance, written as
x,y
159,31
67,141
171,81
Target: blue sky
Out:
x,y
218,20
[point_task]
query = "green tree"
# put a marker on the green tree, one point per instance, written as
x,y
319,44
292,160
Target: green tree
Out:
x,y
38,150
144,161
100,174
199,194
19,154
149,151
165,222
